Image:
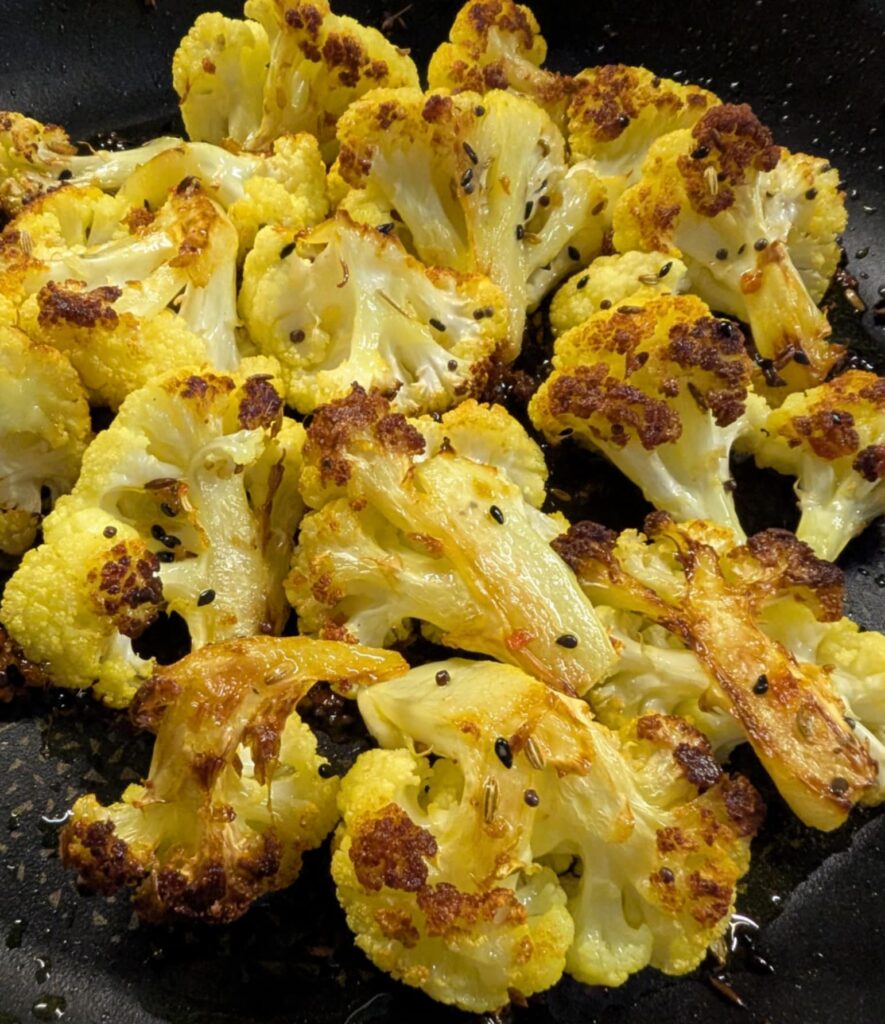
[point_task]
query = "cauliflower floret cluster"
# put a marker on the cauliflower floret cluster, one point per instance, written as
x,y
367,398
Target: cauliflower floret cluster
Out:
x,y
44,430
629,265
186,504
291,66
757,228
662,388
592,852
832,439
479,183
408,525
345,302
236,791
126,293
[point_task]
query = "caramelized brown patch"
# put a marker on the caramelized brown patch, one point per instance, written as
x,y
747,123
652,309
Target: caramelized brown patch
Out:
x,y
16,671
447,908
585,542
712,899
261,405
437,108
335,425
870,463
717,348
698,765
305,17
390,850
127,587
791,564
102,858
830,433
589,393
71,305
152,699
745,806
505,15
343,51
735,142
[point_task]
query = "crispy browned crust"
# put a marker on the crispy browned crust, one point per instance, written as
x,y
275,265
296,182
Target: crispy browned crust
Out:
x,y
691,749
744,804
589,391
717,348
201,389
830,433
505,15
389,849
447,909
261,404
71,304
732,141
102,858
16,671
782,564
335,427
437,108
584,543
126,588
611,96
870,463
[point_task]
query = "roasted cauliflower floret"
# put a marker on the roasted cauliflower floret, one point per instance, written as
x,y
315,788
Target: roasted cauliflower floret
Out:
x,y
294,67
613,281
757,228
517,848
44,429
237,790
832,439
410,528
345,303
497,44
694,582
476,183
286,187
126,295
186,504
853,659
617,113
662,388
35,158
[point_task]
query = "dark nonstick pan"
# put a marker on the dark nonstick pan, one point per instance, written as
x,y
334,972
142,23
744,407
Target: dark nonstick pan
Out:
x,y
815,72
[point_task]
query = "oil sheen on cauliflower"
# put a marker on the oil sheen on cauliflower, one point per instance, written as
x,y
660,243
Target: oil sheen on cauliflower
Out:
x,y
236,791
186,504
501,836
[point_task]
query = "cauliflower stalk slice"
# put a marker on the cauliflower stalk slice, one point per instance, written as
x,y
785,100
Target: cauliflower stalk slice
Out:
x,y
480,184
625,278
291,66
186,504
832,439
757,229
126,293
497,44
236,791
693,581
501,836
44,430
345,303
662,388
407,530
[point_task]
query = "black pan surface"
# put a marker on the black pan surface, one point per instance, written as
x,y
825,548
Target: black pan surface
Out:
x,y
814,71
